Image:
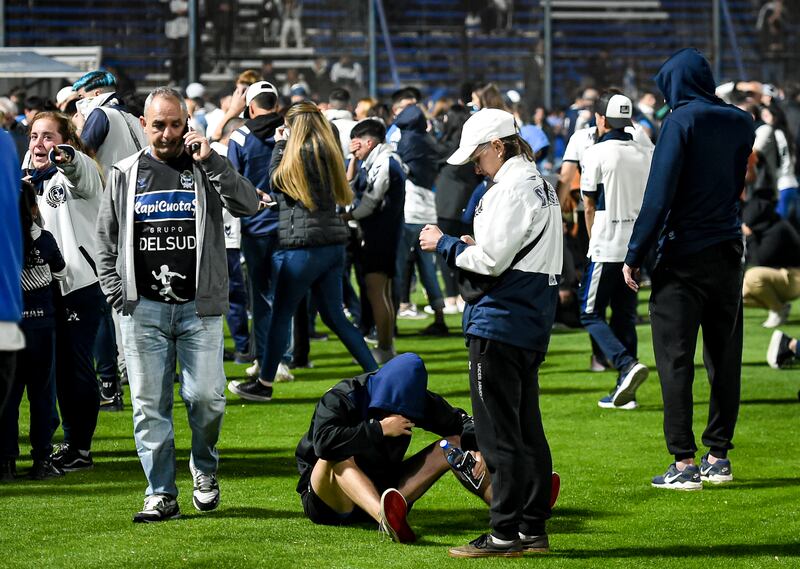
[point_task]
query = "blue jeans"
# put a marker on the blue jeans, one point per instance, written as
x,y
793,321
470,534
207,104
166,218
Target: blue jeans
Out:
x,y
153,336
237,297
788,206
105,347
602,286
409,238
319,270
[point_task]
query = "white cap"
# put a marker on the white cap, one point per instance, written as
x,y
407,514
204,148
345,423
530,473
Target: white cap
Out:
x,y
513,96
483,126
65,94
618,111
195,91
257,88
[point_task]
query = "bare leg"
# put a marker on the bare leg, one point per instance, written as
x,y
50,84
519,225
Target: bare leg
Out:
x,y
380,298
427,466
342,486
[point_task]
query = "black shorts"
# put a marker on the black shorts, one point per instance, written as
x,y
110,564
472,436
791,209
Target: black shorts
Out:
x,y
321,513
378,253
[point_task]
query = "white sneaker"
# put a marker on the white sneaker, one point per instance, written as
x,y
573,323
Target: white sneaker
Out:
x,y
283,374
776,318
596,365
253,370
382,356
409,312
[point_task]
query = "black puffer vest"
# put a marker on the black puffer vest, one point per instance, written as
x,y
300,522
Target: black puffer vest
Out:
x,y
297,225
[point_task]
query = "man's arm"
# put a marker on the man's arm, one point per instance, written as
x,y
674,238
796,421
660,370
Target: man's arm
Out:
x,y
589,207
238,195
95,130
565,176
107,232
591,186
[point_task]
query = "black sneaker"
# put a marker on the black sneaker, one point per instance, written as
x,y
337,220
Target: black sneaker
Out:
x,y
158,508
69,460
44,469
535,543
205,495
110,396
435,329
8,470
487,545
717,473
778,353
251,390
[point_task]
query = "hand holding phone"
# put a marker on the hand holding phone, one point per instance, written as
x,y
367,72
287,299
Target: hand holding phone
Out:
x,y
196,143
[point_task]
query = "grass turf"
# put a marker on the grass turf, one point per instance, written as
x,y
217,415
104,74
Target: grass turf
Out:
x,y
607,514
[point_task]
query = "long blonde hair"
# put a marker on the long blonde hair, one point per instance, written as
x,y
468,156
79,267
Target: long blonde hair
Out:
x,y
311,130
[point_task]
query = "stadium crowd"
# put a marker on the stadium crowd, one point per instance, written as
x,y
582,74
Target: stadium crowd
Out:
x,y
132,227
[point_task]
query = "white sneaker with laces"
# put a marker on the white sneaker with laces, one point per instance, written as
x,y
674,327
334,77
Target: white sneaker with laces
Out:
x,y
283,374
205,494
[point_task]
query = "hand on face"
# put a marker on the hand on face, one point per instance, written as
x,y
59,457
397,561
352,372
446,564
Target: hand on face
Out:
x,y
396,426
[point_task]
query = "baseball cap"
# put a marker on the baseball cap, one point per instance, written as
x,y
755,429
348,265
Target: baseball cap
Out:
x,y
64,94
195,90
254,91
483,126
617,109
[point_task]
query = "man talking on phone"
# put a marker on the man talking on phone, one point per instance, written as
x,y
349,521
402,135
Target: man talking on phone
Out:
x,y
162,266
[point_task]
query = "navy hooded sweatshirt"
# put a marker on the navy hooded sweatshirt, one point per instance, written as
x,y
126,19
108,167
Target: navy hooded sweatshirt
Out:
x,y
692,197
345,422
416,147
250,151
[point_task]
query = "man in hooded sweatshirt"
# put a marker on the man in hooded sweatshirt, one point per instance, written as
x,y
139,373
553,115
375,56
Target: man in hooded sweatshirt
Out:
x,y
351,459
691,210
250,150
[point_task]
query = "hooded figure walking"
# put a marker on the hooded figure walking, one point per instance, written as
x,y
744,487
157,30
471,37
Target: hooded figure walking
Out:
x,y
691,209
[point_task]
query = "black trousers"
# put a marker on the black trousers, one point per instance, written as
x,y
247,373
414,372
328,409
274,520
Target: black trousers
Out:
x,y
703,290
8,361
504,387
78,316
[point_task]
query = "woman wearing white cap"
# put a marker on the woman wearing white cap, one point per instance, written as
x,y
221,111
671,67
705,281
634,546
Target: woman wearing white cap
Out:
x,y
512,268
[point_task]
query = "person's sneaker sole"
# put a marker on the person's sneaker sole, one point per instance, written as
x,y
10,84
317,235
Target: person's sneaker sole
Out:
x,y
142,520
717,478
629,406
474,553
626,392
393,517
680,486
774,349
205,507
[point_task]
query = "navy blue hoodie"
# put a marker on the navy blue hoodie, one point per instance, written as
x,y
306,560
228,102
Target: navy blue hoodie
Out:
x,y
250,151
416,147
692,196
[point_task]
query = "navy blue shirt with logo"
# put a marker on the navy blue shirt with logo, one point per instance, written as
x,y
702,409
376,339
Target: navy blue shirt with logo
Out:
x,y
164,231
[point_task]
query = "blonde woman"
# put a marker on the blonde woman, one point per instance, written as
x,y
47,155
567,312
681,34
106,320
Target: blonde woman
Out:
x,y
308,181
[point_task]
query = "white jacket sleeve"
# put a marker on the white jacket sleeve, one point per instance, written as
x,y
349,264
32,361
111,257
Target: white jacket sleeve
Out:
x,y
501,230
83,175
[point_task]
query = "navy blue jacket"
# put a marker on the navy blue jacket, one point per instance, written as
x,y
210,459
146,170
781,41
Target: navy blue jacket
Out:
x,y
692,196
10,232
416,147
250,153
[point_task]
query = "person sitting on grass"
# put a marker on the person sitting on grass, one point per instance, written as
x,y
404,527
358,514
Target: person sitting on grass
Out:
x,y
351,460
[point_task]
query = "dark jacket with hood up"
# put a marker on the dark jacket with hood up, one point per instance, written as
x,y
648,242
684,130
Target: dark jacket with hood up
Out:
x,y
692,196
250,151
344,423
416,146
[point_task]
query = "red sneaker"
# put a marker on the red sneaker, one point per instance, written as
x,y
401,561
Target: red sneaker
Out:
x,y
393,517
556,487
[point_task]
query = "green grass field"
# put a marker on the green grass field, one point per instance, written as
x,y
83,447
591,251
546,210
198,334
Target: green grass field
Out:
x,y
607,515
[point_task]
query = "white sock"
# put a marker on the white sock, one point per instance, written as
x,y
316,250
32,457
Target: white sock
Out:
x,y
498,541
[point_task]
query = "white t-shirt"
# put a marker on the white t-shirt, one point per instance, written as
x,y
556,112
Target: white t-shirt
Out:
x,y
586,137
786,177
615,176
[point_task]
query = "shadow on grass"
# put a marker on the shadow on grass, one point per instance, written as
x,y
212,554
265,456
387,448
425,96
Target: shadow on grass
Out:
x,y
680,550
247,512
476,520
755,484
792,401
